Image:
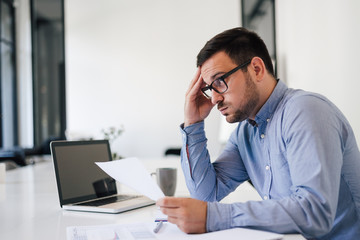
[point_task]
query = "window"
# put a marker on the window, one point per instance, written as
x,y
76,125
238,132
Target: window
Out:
x,y
259,16
44,84
8,97
47,20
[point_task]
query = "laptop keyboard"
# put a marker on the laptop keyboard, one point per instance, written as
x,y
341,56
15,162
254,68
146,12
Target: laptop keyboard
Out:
x,y
109,200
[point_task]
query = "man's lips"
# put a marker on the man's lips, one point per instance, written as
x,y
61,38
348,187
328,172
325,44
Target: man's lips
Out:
x,y
223,110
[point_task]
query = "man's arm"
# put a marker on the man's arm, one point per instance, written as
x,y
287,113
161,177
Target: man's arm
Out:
x,y
199,172
205,180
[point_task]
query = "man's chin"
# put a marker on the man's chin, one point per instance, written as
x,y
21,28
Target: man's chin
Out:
x,y
234,118
230,119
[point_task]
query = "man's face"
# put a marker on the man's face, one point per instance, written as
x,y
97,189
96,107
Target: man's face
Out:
x,y
241,98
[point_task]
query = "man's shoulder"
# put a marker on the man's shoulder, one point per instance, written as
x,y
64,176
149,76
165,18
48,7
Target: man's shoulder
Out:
x,y
300,99
307,107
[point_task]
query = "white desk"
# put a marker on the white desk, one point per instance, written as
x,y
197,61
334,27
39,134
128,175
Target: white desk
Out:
x,y
30,209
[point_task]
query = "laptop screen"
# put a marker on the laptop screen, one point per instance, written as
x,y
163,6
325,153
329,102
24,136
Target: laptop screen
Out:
x,y
75,168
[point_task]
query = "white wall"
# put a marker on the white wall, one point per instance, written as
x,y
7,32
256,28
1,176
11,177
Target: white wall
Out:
x,y
318,50
130,62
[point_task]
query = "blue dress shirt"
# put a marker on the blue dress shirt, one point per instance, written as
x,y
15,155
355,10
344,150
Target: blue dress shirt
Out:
x,y
301,156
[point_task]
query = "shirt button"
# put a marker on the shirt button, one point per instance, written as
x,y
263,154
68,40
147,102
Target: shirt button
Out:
x,y
267,167
268,120
265,197
262,135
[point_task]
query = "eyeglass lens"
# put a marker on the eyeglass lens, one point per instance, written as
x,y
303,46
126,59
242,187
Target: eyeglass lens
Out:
x,y
218,85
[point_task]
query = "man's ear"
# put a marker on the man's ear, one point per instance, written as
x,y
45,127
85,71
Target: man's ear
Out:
x,y
258,67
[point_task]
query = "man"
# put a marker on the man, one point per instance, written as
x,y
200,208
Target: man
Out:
x,y
296,147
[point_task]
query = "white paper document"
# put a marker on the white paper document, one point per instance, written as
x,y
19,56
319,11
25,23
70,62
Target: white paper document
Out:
x,y
167,231
109,232
131,172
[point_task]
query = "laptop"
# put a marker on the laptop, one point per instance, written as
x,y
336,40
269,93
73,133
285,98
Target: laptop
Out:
x,y
82,185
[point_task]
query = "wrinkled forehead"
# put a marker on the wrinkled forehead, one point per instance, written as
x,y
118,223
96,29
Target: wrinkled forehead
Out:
x,y
216,66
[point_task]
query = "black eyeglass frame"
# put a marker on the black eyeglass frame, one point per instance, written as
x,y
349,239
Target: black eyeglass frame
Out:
x,y
222,78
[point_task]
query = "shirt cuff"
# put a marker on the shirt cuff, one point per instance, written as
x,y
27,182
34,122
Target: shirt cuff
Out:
x,y
195,132
192,127
218,216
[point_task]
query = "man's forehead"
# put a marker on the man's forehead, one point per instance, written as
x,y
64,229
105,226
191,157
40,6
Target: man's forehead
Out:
x,y
215,66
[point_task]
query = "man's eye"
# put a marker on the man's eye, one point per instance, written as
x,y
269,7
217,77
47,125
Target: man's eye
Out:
x,y
217,83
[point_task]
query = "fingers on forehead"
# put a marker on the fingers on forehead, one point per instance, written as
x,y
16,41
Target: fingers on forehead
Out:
x,y
194,81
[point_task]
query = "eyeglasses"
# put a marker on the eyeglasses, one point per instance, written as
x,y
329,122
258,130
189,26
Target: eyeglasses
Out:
x,y
219,85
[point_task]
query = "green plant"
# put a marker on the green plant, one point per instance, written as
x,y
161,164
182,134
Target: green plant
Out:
x,y
111,134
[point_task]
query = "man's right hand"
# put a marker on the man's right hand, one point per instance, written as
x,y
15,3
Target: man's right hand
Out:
x,y
187,213
197,106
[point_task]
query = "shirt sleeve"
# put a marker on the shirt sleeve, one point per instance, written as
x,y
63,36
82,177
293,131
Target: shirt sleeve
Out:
x,y
205,180
314,134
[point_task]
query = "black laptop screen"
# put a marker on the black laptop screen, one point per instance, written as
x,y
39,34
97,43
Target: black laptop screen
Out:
x,y
75,168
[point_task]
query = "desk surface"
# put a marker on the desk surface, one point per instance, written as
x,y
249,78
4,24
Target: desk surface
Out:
x,y
30,208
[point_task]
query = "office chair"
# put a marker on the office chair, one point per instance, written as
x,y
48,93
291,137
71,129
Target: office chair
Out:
x,y
173,151
16,155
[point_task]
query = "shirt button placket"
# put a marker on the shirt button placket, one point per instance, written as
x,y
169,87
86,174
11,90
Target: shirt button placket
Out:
x,y
268,181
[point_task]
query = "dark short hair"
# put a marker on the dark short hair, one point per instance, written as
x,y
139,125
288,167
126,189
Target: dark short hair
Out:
x,y
239,44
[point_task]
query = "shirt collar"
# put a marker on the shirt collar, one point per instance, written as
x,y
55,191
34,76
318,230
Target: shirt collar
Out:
x,y
267,110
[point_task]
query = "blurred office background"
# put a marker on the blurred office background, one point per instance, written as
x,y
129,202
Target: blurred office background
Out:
x,y
71,68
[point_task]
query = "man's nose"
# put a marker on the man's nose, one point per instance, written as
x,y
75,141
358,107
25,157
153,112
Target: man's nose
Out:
x,y
216,97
